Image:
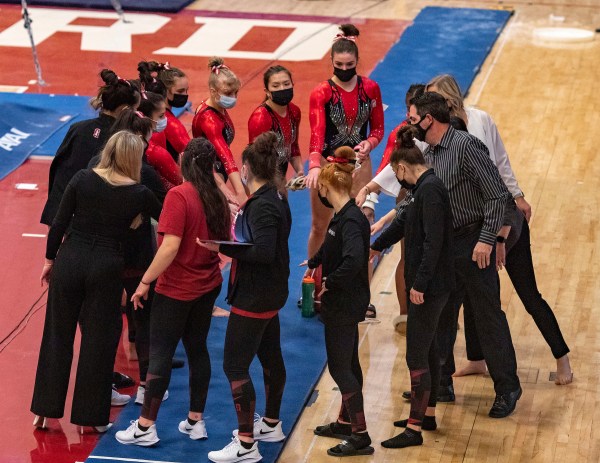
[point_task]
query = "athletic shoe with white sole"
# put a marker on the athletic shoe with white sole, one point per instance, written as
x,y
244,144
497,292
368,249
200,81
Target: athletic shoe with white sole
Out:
x,y
118,400
265,433
134,435
196,432
141,392
234,452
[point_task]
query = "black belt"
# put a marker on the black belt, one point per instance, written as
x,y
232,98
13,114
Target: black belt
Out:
x,y
467,229
95,240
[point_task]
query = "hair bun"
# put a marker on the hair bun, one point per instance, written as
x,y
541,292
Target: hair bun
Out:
x,y
266,143
109,77
349,30
215,61
405,136
344,152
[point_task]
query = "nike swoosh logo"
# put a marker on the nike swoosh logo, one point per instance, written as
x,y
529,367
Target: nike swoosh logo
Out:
x,y
140,435
268,432
242,454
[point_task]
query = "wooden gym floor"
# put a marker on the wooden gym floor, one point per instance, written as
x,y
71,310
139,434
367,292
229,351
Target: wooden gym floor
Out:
x,y
545,103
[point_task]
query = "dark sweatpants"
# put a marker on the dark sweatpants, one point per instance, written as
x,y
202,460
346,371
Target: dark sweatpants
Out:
x,y
85,287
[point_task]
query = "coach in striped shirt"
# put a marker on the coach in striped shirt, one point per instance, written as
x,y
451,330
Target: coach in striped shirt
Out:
x,y
478,198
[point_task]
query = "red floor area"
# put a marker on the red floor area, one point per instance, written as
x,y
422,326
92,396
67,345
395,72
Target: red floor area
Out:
x,y
70,70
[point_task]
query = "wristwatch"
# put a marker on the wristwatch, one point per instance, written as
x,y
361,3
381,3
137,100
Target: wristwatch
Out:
x,y
500,239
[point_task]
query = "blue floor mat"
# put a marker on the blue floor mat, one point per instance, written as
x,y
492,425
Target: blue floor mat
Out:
x,y
166,6
23,128
440,41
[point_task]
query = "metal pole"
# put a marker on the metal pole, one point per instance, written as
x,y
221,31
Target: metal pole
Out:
x,y
27,24
119,9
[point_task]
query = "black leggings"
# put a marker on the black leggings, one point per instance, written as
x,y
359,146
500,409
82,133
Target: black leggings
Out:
x,y
519,266
422,355
171,321
245,338
138,324
341,343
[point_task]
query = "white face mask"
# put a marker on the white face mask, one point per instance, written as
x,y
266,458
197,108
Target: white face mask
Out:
x,y
227,102
161,125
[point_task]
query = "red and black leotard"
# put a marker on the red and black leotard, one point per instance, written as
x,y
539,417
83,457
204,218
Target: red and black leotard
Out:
x,y
159,157
264,119
389,147
176,134
218,128
340,118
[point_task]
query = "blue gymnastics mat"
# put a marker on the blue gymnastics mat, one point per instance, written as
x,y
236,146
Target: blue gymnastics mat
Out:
x,y
440,41
166,6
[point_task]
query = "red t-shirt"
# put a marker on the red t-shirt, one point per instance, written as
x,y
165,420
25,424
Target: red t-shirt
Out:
x,y
195,270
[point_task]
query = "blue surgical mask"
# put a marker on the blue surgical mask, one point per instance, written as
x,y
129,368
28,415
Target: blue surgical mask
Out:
x,y
161,125
227,102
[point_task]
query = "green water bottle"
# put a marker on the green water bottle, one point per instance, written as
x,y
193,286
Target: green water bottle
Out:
x,y
308,297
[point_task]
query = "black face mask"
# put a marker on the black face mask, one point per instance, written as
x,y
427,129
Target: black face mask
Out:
x,y
420,135
324,201
404,184
345,75
178,100
283,97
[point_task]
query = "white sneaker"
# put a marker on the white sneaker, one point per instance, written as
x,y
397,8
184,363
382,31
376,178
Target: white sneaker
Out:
x,y
234,452
134,435
196,432
141,392
264,433
118,400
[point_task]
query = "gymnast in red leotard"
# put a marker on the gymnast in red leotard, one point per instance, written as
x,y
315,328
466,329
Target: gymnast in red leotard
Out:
x,y
153,105
279,115
213,122
174,84
345,110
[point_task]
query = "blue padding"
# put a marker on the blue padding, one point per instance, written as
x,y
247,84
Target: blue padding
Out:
x,y
304,353
440,41
167,6
23,127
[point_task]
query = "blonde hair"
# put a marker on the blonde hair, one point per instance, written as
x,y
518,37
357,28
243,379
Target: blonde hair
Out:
x,y
122,155
338,175
221,73
447,86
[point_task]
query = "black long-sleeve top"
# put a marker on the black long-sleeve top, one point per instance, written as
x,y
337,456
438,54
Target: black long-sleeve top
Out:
x,y
83,141
345,259
139,245
93,207
259,279
426,225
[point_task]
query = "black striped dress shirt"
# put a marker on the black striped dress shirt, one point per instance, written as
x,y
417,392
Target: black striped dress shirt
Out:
x,y
477,192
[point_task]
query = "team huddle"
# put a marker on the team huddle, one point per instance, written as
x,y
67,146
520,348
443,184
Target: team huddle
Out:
x,y
460,216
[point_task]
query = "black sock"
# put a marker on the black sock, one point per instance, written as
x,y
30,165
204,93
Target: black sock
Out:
x,y
143,428
269,424
408,438
360,440
191,422
246,445
341,428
